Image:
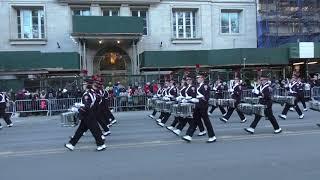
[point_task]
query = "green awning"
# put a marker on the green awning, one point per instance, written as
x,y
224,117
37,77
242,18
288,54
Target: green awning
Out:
x,y
107,25
35,60
214,58
265,56
64,60
173,59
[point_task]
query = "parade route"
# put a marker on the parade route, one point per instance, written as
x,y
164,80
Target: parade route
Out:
x,y
138,149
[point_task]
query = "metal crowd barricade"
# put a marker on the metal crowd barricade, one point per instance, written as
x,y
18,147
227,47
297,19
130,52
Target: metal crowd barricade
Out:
x,y
50,106
31,105
307,94
60,105
315,93
112,102
226,95
125,103
279,92
10,107
246,93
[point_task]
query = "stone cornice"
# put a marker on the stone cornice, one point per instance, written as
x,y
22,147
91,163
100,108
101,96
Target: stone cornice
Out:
x,y
109,1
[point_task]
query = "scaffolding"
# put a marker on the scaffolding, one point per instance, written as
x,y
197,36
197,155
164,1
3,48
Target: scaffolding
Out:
x,y
287,21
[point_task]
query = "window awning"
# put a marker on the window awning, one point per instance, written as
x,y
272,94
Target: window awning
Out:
x,y
84,26
35,60
214,58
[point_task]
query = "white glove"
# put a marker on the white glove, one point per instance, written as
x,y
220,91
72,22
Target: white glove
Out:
x,y
155,95
200,96
291,91
167,98
214,88
230,90
194,100
184,100
179,98
255,91
74,109
78,105
189,97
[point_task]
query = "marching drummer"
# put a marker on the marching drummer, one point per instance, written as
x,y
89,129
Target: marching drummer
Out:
x,y
101,106
218,88
157,95
163,95
170,96
4,99
190,93
201,111
264,91
236,91
182,95
88,120
300,94
293,89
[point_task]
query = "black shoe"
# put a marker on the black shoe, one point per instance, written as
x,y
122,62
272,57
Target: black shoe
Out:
x,y
318,125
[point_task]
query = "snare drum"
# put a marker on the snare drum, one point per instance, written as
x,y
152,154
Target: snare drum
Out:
x,y
159,105
258,109
223,102
152,102
69,119
245,108
186,109
280,99
175,110
231,103
290,100
251,100
212,102
167,106
315,105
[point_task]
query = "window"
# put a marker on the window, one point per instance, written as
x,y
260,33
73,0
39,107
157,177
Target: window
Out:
x,y
143,15
184,24
230,22
111,12
30,23
81,12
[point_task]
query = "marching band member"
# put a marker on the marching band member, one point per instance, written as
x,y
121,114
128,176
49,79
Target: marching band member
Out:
x,y
264,91
101,107
293,89
190,93
163,95
157,95
300,94
88,120
218,88
4,99
182,95
170,96
236,91
201,111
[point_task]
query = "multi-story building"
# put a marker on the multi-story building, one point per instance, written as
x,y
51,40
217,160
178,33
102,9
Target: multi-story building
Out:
x,y
287,21
110,36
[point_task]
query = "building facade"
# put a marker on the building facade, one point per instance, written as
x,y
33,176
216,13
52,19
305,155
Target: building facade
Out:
x,y
287,21
109,35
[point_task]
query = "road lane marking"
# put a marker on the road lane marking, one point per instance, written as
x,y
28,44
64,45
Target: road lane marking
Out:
x,y
153,143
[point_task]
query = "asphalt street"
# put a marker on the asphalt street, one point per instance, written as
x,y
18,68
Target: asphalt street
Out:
x,y
138,149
